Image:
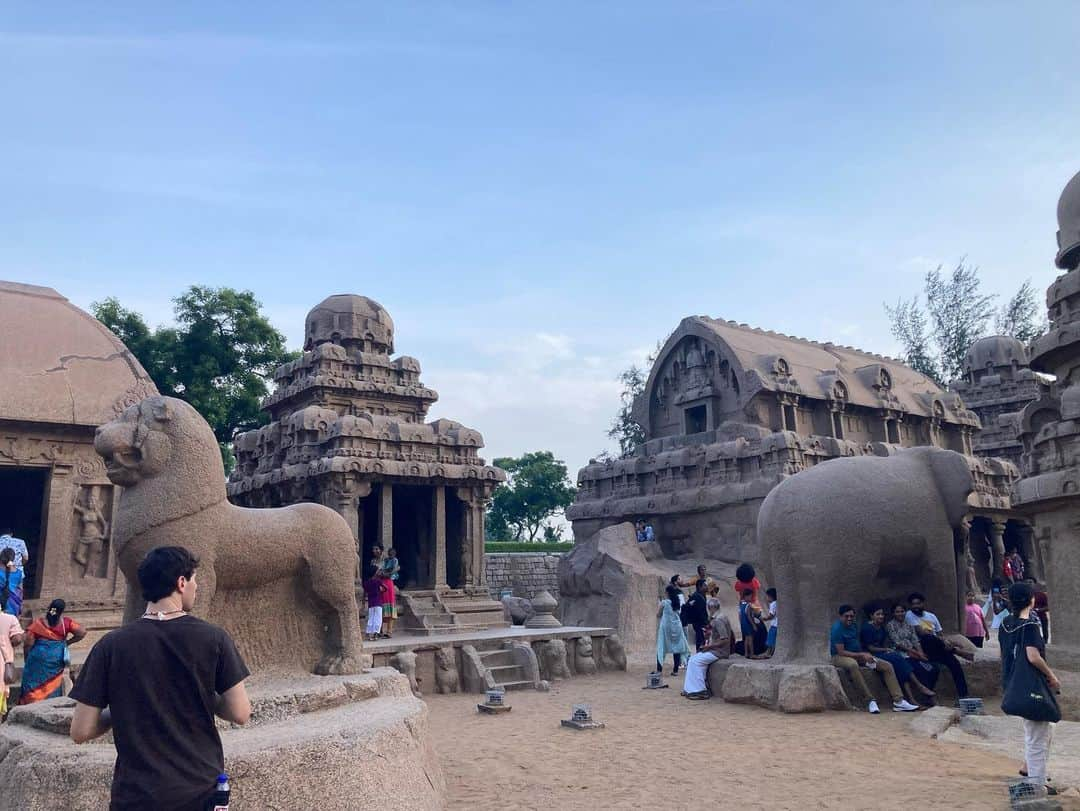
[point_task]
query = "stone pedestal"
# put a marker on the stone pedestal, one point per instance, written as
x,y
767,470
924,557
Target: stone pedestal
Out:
x,y
327,742
544,606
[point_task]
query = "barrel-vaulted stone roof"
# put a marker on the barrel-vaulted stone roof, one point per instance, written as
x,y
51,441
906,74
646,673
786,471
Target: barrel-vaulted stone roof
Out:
x,y
59,364
765,360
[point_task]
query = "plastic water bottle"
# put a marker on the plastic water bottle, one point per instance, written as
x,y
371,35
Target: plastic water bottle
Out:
x,y
220,800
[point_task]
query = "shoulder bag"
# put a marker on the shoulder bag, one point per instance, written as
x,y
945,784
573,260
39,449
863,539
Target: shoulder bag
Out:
x,y
1027,694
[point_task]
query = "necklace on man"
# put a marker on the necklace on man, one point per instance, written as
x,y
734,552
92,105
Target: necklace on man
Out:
x,y
161,615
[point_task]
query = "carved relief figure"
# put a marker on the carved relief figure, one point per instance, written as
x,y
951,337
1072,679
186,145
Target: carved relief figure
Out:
x,y
446,672
93,530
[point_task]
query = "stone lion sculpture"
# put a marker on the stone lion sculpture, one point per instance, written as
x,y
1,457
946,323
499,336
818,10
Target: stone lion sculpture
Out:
x,y
551,656
584,663
612,655
405,662
166,457
446,672
856,529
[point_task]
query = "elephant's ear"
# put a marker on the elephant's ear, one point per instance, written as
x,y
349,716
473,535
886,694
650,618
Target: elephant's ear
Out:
x,y
952,474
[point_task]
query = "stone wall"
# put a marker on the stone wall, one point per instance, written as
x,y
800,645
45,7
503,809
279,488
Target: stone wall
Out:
x,y
525,573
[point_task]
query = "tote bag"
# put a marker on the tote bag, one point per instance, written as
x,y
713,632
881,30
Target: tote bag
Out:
x,y
1027,694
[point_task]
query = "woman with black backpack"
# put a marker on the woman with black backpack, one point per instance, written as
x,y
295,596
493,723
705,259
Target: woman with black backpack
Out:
x,y
1029,684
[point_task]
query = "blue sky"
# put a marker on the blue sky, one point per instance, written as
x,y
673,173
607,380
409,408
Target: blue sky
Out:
x,y
536,192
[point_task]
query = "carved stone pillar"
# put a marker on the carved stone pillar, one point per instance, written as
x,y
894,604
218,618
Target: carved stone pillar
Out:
x,y
997,546
1030,553
476,535
438,532
386,516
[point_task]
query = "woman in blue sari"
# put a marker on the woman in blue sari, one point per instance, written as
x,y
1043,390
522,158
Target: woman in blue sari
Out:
x,y
46,655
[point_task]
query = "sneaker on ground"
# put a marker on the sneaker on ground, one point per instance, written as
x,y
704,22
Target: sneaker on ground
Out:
x,y
904,706
873,708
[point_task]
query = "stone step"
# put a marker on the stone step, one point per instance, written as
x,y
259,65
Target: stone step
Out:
x,y
501,672
516,685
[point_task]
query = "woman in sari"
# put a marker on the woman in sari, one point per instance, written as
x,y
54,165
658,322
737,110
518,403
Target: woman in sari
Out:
x,y
11,583
46,655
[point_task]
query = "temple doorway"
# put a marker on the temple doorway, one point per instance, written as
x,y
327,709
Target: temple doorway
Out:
x,y
412,534
456,512
22,509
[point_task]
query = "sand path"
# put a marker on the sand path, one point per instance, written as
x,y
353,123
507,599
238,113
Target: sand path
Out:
x,y
660,750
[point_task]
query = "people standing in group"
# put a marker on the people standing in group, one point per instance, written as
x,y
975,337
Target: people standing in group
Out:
x,y
11,635
771,618
751,626
696,613
874,638
848,656
18,545
975,627
670,637
46,655
746,578
676,582
391,565
1032,696
11,583
374,591
721,642
158,682
938,649
1042,608
389,605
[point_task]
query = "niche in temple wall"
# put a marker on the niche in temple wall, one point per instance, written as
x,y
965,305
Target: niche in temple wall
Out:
x,y
692,373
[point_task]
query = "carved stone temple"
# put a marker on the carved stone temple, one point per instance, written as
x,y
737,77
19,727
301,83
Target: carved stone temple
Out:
x,y
730,411
1050,432
998,383
347,430
63,374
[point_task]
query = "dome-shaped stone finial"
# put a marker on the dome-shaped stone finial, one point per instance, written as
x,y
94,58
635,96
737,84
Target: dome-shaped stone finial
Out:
x,y
997,351
1068,235
350,320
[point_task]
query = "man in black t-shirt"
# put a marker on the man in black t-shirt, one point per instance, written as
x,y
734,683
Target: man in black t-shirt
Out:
x,y
157,683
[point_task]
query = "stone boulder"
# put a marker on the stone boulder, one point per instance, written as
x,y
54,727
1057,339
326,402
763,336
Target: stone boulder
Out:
x,y
606,581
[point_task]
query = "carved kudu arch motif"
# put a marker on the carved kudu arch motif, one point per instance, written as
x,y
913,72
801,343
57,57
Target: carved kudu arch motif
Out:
x,y
719,357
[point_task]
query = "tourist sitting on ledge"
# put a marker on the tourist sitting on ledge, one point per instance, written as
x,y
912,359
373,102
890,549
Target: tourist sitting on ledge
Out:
x,y
874,637
939,650
721,641
904,639
848,657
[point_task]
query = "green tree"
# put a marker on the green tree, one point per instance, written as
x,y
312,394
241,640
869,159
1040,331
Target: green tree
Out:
x,y
218,357
1023,316
537,489
625,430
937,333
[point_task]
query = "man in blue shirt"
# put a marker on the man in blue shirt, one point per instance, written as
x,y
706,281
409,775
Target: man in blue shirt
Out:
x,y
848,656
17,545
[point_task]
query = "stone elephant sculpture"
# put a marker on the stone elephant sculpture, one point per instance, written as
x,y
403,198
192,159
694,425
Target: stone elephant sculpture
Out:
x,y
856,529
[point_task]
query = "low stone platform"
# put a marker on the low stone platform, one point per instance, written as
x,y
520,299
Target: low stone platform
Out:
x,y
512,658
328,742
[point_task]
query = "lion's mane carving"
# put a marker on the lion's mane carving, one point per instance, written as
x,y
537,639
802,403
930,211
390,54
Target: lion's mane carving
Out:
x,y
275,578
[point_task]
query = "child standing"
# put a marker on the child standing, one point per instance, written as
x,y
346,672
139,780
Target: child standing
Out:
x,y
770,640
974,622
374,590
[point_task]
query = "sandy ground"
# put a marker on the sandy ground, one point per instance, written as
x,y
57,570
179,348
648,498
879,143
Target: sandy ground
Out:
x,y
660,750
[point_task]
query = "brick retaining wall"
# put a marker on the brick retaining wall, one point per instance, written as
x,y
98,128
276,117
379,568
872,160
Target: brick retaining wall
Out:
x,y
525,573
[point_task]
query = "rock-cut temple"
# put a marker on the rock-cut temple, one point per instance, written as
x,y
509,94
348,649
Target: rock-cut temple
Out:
x,y
347,429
